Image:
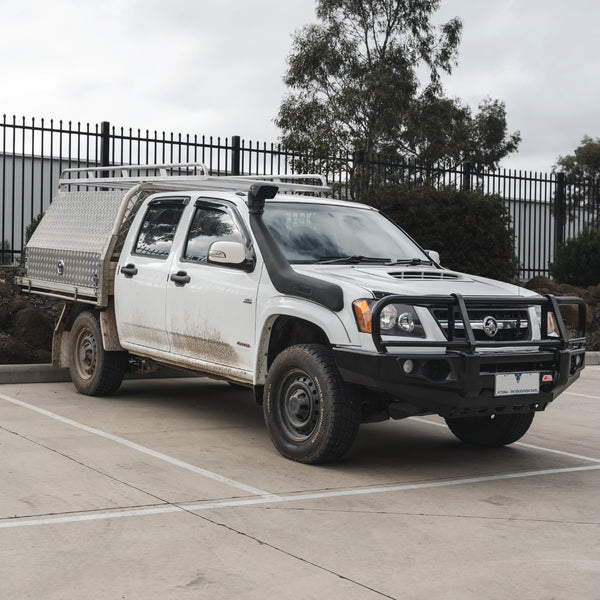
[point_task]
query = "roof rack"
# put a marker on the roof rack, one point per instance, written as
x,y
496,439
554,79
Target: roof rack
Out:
x,y
184,176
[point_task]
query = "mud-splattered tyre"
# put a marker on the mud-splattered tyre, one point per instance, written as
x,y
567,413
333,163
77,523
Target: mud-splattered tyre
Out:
x,y
491,431
94,371
309,412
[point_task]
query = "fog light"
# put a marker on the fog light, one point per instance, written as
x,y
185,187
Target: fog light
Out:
x,y
408,366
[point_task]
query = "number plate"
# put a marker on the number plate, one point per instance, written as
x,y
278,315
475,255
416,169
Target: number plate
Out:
x,y
512,384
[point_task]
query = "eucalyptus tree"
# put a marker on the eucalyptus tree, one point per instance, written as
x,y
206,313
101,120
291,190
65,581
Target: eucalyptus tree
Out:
x,y
368,76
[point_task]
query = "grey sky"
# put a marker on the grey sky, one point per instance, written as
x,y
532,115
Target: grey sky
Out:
x,y
215,67
542,58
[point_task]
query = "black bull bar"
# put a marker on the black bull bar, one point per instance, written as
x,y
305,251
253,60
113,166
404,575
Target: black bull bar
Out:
x,y
459,379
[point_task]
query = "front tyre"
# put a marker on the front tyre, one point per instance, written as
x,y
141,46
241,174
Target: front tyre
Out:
x,y
310,415
491,431
94,371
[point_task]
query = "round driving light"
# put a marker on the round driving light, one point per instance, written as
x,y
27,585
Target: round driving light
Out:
x,y
408,366
388,317
406,322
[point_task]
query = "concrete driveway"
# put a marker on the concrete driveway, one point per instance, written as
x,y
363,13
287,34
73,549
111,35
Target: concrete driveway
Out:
x,y
173,490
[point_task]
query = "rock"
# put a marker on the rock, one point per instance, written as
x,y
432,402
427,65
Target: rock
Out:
x,y
34,328
589,317
17,304
594,291
5,290
542,285
4,319
570,315
565,289
15,352
593,342
26,326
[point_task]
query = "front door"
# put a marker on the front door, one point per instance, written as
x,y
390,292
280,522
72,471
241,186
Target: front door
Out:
x,y
211,307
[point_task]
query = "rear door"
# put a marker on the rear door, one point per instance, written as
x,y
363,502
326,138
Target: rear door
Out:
x,y
142,273
211,307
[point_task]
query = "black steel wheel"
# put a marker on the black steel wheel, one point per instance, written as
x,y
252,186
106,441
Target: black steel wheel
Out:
x,y
94,371
491,431
310,414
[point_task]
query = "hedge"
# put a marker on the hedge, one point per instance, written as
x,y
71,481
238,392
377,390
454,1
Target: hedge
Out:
x,y
472,232
577,260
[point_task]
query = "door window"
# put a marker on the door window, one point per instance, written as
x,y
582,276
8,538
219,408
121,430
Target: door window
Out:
x,y
210,224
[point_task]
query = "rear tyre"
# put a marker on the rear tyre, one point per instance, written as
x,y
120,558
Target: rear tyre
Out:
x,y
311,416
94,371
491,431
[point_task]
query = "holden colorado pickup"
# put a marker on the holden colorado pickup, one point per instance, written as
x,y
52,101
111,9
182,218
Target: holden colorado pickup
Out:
x,y
326,309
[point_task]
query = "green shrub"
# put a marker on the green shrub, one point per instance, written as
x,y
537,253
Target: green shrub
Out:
x,y
28,233
32,226
472,232
5,256
577,261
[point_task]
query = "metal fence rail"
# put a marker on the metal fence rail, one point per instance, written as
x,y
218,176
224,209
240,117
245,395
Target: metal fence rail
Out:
x,y
545,209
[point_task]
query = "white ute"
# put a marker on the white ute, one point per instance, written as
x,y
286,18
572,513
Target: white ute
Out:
x,y
329,311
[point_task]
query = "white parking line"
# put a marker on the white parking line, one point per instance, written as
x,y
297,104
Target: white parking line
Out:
x,y
119,440
261,496
29,522
582,395
523,444
569,454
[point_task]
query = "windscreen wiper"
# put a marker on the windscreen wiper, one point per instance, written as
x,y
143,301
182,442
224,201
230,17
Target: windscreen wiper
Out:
x,y
355,259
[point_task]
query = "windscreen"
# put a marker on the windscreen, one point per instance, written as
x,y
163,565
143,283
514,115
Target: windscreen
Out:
x,y
311,233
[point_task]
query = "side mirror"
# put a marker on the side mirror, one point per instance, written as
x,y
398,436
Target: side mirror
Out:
x,y
434,256
227,253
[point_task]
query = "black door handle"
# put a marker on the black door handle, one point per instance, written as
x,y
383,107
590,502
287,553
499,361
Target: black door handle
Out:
x,y
180,278
129,270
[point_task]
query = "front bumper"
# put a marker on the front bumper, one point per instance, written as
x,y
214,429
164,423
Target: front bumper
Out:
x,y
460,378
459,384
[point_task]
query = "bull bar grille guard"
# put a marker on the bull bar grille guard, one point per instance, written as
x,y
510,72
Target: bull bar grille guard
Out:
x,y
457,304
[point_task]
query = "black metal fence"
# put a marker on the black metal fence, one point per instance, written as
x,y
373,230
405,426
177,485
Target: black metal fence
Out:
x,y
546,209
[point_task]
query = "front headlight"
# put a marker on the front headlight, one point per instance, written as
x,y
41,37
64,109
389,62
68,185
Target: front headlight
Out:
x,y
395,319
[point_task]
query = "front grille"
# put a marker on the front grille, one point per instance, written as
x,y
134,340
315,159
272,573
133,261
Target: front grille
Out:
x,y
498,325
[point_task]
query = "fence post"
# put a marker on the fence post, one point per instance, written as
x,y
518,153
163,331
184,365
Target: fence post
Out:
x,y
466,176
235,155
357,175
560,200
104,146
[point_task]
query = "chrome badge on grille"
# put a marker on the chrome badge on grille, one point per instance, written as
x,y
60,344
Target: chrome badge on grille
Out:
x,y
490,326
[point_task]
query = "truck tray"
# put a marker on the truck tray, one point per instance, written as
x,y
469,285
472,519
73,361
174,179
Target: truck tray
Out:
x,y
69,252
